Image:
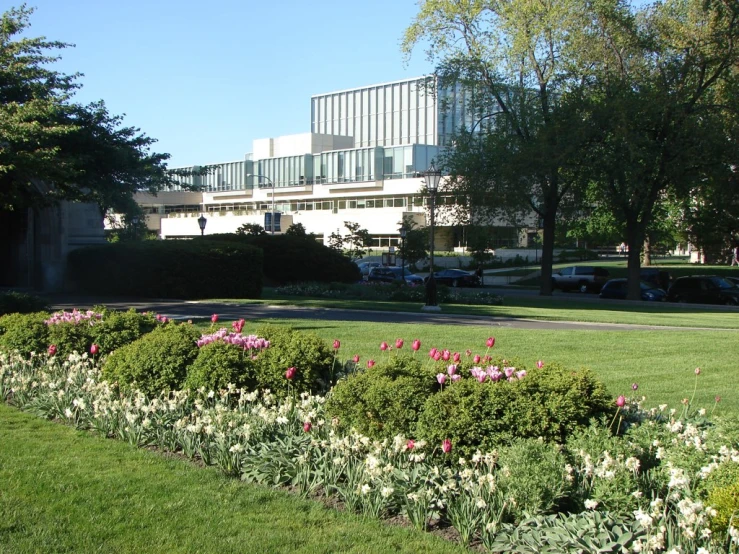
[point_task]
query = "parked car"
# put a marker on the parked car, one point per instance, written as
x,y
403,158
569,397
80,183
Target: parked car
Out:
x,y
734,280
392,274
456,278
617,288
365,267
704,289
584,278
657,277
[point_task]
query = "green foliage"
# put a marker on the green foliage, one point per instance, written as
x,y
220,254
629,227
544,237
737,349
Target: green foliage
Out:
x,y
156,362
725,500
306,352
13,302
218,365
534,473
352,244
295,259
550,402
169,269
24,332
384,400
297,230
253,229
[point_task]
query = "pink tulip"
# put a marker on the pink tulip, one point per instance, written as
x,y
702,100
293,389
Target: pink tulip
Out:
x,y
355,359
697,371
383,346
52,349
214,318
456,377
164,319
441,378
416,345
456,357
509,371
468,352
445,355
490,342
446,446
398,343
94,349
634,386
410,445
476,359
290,373
337,345
437,356
540,364
370,363
307,426
452,369
621,401
717,399
432,352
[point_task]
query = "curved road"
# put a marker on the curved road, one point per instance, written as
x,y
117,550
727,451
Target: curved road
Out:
x,y
180,309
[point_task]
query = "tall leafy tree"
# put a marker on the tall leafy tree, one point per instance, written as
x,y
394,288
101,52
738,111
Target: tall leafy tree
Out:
x,y
52,148
660,102
519,62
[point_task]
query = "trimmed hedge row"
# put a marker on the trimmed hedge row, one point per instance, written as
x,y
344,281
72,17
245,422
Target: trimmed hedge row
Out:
x,y
168,269
294,259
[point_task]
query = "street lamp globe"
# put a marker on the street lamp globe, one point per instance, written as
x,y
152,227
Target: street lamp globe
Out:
x,y
201,222
432,177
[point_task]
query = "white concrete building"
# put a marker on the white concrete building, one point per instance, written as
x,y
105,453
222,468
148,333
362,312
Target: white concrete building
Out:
x,y
362,162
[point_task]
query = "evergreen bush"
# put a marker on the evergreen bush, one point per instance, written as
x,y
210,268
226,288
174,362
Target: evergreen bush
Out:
x,y
156,362
13,302
219,365
384,400
24,332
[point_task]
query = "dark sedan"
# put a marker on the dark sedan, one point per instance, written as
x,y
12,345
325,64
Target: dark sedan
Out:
x,y
617,288
704,289
393,274
456,278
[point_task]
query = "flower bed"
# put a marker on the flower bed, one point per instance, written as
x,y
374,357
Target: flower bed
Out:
x,y
660,480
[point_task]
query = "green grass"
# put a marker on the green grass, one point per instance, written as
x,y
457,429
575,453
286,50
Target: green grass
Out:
x,y
68,491
661,362
557,308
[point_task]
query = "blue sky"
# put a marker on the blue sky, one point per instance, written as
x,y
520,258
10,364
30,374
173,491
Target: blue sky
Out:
x,y
206,78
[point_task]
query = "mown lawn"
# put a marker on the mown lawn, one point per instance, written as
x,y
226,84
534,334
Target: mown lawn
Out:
x,y
63,490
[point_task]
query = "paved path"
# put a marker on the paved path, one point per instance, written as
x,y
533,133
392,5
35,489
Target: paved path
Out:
x,y
179,309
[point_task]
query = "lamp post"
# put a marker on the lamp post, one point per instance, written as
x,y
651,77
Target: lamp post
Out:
x,y
402,230
201,222
432,176
271,182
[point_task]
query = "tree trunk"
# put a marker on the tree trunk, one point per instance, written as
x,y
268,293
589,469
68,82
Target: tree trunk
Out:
x,y
647,259
635,239
547,252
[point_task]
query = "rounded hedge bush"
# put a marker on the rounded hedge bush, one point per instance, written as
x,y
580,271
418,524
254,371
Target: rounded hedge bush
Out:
x,y
24,332
156,362
307,352
384,400
549,402
220,364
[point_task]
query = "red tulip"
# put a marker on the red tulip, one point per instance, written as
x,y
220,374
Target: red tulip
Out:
x,y
383,346
416,345
398,343
432,353
634,386
410,444
718,399
621,401
476,359
355,359
540,364
307,426
445,355
468,352
94,349
437,356
290,373
52,349
337,345
446,446
490,342
370,363
456,357
214,318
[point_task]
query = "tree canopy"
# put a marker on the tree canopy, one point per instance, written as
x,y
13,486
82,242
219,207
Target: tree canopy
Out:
x,y
52,148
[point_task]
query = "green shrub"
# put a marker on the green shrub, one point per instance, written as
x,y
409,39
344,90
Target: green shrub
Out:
x,y
550,402
534,472
13,302
725,500
294,259
220,364
119,328
24,332
156,362
307,352
384,400
168,269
